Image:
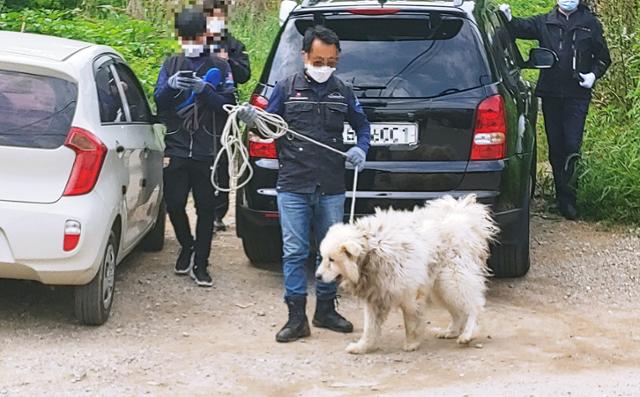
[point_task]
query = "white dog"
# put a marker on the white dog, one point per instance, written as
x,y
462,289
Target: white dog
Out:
x,y
404,258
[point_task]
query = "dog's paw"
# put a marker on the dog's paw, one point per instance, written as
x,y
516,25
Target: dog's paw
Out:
x,y
357,348
464,339
445,333
411,346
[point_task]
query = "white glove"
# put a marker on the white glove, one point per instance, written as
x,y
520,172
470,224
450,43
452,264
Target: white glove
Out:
x,y
587,80
506,10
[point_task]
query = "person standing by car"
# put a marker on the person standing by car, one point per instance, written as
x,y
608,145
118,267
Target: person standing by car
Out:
x,y
229,48
191,106
575,34
311,179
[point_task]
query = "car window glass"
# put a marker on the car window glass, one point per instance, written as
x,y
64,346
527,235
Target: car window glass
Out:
x,y
35,111
111,110
506,45
138,106
406,56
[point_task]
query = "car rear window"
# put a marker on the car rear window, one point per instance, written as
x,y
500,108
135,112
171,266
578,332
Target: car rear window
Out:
x,y
401,56
35,111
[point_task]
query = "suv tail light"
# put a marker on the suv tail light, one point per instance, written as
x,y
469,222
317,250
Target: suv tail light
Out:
x,y
490,134
90,155
373,11
258,147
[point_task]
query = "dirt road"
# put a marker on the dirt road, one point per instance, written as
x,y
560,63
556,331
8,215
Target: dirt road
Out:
x,y
569,328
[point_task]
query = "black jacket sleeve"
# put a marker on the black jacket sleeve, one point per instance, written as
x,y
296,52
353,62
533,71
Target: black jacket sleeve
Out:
x,y
601,56
239,61
526,28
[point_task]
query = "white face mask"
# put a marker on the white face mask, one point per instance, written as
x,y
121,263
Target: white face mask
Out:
x,y
215,25
568,5
192,50
319,73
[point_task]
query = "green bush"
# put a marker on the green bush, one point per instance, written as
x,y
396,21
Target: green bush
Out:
x,y
143,46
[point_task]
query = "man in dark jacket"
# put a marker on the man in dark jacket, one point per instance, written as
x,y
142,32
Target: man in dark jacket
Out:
x,y
229,48
575,34
311,179
191,91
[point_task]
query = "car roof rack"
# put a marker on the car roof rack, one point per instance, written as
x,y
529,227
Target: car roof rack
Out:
x,y
311,3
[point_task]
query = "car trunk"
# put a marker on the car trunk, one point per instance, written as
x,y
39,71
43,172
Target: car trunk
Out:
x,y
418,70
35,118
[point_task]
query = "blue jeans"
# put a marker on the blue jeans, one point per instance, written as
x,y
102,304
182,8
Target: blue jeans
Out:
x,y
298,212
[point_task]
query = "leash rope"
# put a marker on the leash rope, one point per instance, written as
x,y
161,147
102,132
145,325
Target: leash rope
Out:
x,y
270,126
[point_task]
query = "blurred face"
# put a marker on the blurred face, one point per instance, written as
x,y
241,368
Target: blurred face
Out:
x,y
216,22
321,54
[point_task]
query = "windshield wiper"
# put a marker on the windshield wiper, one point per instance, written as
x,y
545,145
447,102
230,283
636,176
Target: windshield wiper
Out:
x,y
361,87
448,91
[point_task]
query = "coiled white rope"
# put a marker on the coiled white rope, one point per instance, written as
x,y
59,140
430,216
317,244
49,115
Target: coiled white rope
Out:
x,y
269,126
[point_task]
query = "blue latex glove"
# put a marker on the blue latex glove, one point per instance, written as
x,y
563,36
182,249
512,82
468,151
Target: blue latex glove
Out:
x,y
180,82
356,157
248,114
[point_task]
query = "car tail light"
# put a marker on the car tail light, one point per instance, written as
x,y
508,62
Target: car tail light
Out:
x,y
90,155
261,148
373,11
259,101
72,230
490,134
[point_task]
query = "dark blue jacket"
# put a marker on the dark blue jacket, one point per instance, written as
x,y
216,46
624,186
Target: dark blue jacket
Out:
x,y
580,36
318,111
185,139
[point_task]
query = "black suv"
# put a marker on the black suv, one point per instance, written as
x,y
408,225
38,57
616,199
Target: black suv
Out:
x,y
451,115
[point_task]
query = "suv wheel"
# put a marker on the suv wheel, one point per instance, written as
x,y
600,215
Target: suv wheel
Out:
x,y
512,260
93,301
154,240
263,248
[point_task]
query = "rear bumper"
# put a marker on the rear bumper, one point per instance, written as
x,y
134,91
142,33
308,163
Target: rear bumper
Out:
x,y
508,220
32,235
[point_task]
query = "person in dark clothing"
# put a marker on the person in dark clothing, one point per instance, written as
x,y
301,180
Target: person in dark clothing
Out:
x,y
229,48
190,93
575,34
311,179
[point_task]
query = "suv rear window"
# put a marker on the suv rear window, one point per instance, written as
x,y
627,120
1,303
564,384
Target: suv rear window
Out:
x,y
403,56
35,111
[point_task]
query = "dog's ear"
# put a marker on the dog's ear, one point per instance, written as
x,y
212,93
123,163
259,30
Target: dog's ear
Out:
x,y
351,249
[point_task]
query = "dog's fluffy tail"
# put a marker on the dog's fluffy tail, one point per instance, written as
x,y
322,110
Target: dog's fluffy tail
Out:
x,y
466,227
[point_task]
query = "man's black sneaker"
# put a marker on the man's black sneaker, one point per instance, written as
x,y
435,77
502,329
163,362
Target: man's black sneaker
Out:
x,y
201,276
185,261
219,226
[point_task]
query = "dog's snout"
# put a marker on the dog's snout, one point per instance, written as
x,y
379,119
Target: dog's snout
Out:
x,y
318,277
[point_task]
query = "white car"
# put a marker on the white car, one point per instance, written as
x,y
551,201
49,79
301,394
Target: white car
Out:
x,y
80,167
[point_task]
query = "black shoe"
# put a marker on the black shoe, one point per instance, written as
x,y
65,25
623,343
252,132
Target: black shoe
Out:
x,y
326,316
184,262
201,276
568,211
298,325
219,226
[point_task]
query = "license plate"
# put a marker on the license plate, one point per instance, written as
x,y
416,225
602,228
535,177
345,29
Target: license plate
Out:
x,y
385,134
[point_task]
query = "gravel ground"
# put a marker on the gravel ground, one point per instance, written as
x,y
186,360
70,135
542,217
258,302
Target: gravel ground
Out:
x,y
569,328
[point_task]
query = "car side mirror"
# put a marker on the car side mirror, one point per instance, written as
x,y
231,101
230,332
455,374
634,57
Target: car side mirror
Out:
x,y
286,7
541,58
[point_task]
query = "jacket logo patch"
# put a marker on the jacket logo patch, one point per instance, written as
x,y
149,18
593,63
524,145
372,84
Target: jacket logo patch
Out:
x,y
336,95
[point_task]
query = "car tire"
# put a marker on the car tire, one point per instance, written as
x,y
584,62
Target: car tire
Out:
x,y
264,250
93,301
154,240
513,260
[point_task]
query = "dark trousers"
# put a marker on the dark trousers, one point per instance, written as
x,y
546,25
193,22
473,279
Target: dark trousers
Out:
x,y
182,176
222,198
564,120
